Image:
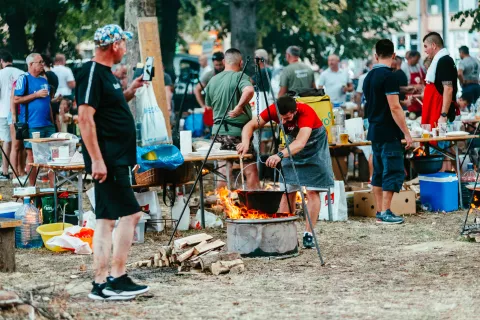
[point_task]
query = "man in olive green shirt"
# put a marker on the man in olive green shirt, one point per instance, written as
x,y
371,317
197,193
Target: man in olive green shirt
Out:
x,y
297,76
218,93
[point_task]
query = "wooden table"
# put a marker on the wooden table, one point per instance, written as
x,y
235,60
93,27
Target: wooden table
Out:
x,y
7,244
428,142
73,171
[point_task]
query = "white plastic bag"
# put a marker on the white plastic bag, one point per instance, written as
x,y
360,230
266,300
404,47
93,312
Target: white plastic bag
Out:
x,y
66,241
91,196
154,130
338,201
211,220
148,201
89,220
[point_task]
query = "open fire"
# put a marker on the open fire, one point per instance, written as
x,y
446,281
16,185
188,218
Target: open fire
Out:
x,y
234,210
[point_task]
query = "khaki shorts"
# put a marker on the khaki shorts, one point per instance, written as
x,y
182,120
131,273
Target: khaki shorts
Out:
x,y
5,130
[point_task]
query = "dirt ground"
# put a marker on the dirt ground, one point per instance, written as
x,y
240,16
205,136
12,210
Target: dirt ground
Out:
x,y
419,270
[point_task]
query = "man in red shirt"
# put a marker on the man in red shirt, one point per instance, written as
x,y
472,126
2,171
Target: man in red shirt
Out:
x,y
308,143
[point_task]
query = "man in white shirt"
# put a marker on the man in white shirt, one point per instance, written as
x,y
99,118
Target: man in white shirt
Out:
x,y
66,81
361,79
8,75
335,81
204,66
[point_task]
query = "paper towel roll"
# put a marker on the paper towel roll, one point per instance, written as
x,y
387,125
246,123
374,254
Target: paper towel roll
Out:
x,y
185,142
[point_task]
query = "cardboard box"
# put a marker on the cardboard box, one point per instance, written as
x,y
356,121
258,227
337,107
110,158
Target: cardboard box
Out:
x,y
365,205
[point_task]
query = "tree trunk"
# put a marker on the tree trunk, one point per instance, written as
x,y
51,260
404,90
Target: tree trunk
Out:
x,y
16,20
167,11
243,26
44,37
133,10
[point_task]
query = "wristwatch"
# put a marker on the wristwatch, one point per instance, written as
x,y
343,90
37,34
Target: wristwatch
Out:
x,y
443,114
280,155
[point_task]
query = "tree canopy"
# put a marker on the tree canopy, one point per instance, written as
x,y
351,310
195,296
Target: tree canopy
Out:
x,y
464,15
345,27
49,26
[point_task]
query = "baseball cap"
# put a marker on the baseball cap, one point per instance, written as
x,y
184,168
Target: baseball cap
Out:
x,y
109,34
218,56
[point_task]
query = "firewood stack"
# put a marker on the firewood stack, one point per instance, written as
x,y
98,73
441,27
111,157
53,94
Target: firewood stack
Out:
x,y
198,253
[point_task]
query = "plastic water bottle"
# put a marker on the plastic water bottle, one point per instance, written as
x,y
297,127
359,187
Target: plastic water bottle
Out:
x,y
469,175
26,236
177,209
339,116
468,178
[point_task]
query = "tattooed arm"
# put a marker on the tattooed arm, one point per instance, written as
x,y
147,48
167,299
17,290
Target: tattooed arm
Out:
x,y
447,99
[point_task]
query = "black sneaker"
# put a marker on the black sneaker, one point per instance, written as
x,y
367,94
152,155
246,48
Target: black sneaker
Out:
x,y
97,294
308,241
4,177
123,286
389,218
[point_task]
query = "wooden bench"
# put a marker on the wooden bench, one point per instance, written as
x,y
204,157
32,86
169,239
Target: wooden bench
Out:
x,y
7,244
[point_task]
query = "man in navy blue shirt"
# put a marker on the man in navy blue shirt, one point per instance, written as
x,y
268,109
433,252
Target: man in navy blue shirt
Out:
x,y
39,116
386,130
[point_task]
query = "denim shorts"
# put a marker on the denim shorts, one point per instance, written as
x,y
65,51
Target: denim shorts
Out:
x,y
45,132
388,168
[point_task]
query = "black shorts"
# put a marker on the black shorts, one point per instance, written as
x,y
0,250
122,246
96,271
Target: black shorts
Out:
x,y
114,198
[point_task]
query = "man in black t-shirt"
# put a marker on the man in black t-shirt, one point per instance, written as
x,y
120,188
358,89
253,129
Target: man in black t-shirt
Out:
x,y
441,81
387,127
109,149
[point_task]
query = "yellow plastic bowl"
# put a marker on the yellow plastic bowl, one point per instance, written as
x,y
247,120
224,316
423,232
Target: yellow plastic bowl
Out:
x,y
51,230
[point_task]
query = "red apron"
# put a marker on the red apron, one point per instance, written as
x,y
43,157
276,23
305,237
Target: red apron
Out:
x,y
432,105
416,78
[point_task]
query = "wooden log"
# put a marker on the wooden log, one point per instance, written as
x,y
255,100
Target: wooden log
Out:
x,y
237,269
186,255
207,260
7,244
166,261
7,250
191,240
221,267
165,251
204,247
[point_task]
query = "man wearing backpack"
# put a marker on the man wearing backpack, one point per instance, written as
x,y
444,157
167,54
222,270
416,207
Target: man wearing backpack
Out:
x,y
32,93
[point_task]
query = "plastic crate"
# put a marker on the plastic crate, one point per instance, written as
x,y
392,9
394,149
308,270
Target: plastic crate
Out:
x,y
42,153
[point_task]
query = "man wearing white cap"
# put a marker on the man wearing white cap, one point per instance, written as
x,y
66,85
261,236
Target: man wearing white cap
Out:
x,y
109,144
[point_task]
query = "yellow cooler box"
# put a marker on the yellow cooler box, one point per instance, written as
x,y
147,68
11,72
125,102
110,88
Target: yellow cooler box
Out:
x,y
323,108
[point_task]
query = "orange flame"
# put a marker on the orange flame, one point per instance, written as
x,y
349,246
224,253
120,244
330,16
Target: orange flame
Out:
x,y
419,152
474,202
234,211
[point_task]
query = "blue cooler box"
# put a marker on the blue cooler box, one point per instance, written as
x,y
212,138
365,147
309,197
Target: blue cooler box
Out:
x,y
8,209
439,191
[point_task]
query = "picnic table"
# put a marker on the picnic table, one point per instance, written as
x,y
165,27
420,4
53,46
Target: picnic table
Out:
x,y
75,171
430,143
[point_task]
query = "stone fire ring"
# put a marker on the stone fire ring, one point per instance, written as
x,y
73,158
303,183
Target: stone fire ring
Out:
x,y
271,238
